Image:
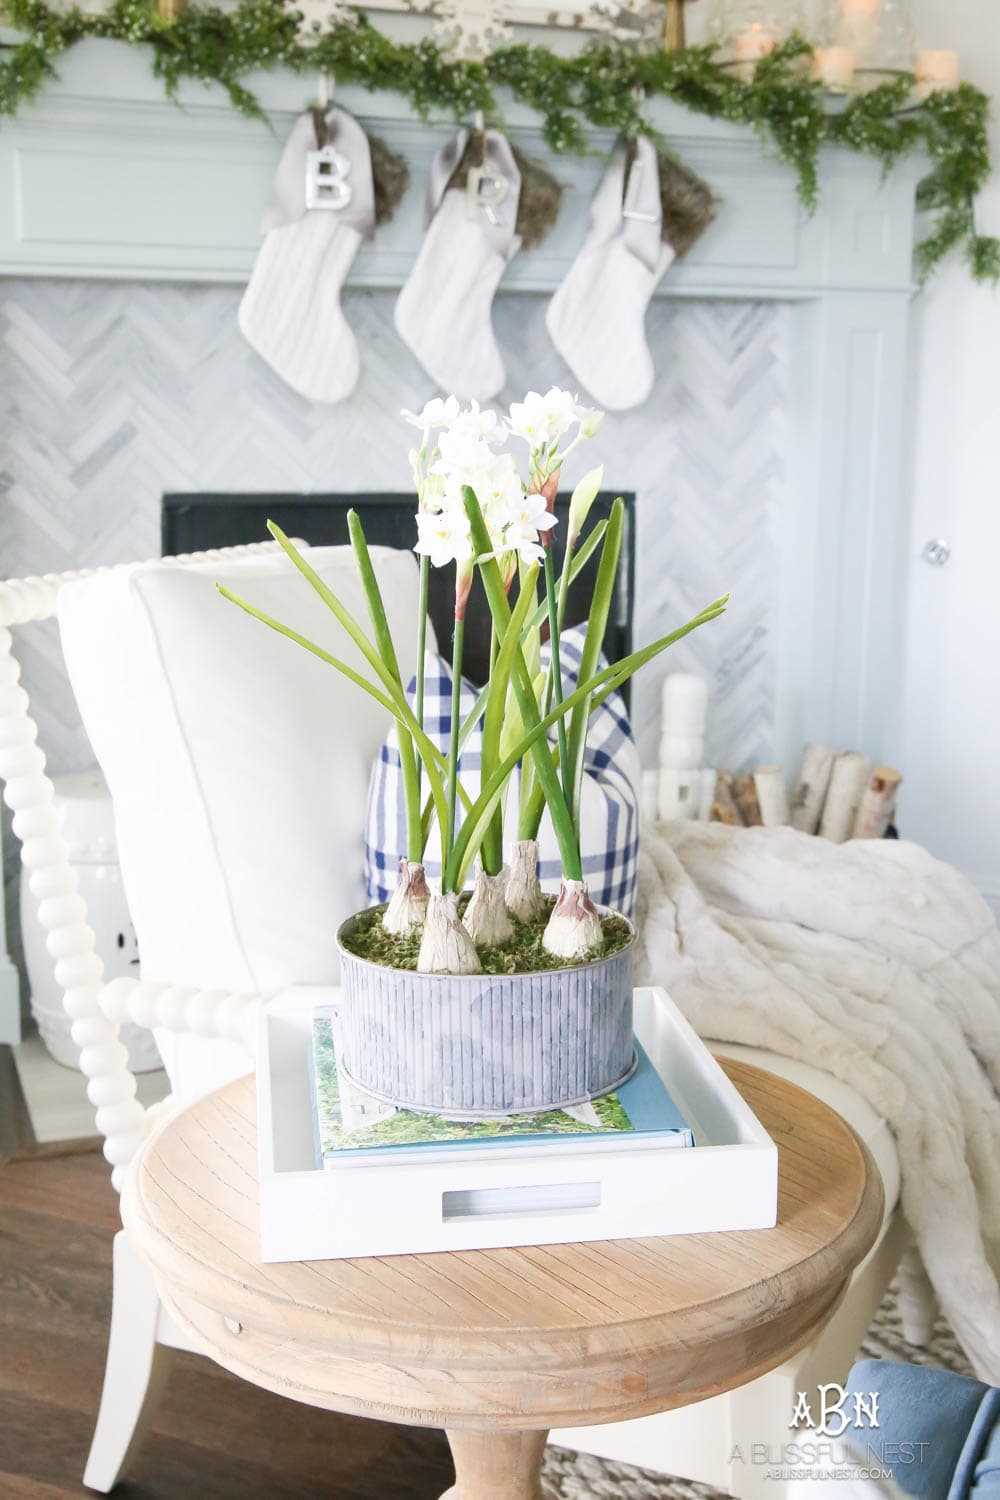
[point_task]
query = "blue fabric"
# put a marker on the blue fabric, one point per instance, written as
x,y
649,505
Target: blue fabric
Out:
x,y
610,841
937,1431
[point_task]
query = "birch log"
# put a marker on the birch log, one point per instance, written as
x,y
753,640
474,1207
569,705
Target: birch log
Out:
x,y
724,809
877,804
745,797
811,788
772,797
848,780
706,793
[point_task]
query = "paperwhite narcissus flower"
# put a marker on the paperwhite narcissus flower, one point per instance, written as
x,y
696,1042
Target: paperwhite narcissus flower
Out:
x,y
591,420
499,491
560,412
531,516
443,536
463,451
529,420
436,413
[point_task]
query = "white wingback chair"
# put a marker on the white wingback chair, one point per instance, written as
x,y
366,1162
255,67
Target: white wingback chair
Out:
x,y
238,767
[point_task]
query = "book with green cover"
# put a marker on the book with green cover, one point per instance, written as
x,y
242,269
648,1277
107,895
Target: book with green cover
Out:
x,y
352,1124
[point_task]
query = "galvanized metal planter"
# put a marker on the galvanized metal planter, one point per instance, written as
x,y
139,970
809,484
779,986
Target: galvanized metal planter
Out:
x,y
487,1044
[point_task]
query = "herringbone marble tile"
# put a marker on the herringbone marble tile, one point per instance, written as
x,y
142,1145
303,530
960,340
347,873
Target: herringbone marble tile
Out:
x,y
111,394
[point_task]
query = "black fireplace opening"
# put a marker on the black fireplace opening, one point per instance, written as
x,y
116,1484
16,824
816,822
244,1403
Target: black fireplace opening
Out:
x,y
198,522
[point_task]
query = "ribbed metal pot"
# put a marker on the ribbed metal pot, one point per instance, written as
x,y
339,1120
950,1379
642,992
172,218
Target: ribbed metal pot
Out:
x,y
486,1044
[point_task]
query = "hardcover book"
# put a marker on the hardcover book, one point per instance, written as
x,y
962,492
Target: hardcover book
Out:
x,y
352,1124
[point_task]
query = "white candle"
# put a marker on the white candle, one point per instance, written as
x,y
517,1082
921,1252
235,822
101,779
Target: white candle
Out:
x,y
750,48
681,752
683,704
936,70
679,794
858,28
834,67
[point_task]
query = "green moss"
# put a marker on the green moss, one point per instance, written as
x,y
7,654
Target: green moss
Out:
x,y
525,955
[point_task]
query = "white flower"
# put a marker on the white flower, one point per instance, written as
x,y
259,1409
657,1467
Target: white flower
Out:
x,y
590,419
560,409
529,420
499,491
531,516
543,421
443,536
462,451
436,413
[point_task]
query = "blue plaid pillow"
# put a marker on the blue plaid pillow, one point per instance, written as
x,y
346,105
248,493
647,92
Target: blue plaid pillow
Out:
x,y
609,802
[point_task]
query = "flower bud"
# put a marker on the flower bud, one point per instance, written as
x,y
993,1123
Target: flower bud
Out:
x,y
584,496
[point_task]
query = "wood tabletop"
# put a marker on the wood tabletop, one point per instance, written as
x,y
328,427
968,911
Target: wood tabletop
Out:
x,y
553,1336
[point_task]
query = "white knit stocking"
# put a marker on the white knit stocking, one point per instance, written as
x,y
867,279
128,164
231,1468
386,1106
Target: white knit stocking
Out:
x,y
443,312
596,318
290,312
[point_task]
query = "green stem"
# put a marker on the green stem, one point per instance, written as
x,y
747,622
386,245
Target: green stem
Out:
x,y
564,579
453,749
491,852
409,761
496,596
555,676
425,576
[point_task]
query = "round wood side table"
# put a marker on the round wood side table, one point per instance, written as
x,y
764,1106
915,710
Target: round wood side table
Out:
x,y
497,1346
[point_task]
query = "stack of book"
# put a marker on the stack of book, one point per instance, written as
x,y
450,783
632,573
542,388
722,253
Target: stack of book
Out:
x,y
352,1126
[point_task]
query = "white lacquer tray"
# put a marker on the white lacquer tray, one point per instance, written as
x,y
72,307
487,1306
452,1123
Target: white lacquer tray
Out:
x,y
728,1180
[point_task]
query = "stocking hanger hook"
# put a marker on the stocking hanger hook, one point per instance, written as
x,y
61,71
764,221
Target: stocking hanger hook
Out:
x,y
324,91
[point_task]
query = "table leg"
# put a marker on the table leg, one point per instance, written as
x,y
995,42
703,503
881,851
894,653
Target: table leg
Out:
x,y
494,1464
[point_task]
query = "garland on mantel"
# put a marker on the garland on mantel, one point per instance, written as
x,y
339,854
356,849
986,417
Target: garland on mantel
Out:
x,y
605,86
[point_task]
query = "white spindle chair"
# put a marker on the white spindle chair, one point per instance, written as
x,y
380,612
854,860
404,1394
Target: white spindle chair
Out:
x,y
142,1336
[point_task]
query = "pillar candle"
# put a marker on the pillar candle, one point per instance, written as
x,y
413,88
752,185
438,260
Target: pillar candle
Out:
x,y
681,752
858,28
679,793
834,67
751,46
936,70
683,705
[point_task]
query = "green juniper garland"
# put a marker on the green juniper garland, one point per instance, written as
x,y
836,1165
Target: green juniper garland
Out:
x,y
601,86
478,513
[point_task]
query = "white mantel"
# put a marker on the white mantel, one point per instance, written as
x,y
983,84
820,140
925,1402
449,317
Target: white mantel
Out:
x,y
104,178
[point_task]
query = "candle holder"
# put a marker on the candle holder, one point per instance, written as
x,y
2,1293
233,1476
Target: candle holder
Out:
x,y
878,35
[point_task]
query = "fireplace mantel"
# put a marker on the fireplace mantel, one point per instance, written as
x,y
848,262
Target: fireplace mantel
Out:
x,y
105,177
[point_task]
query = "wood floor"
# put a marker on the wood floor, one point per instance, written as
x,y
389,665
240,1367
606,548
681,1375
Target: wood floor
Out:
x,y
216,1438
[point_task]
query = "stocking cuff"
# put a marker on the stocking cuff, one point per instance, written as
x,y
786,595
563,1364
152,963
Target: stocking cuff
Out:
x,y
350,174
492,197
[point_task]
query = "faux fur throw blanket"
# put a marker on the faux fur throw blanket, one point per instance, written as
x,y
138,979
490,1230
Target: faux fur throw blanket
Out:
x,y
877,963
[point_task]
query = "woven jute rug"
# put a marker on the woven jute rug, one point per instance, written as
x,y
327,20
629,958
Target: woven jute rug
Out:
x,y
579,1476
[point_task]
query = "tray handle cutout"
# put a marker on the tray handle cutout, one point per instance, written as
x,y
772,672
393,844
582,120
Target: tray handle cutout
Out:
x,y
541,1198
